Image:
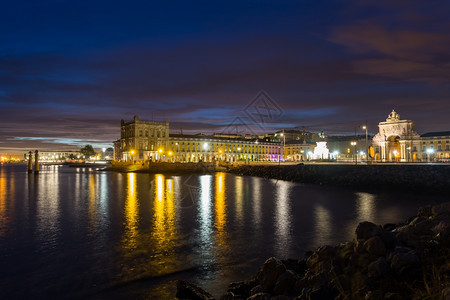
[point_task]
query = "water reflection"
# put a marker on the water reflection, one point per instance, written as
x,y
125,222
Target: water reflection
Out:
x,y
3,200
365,206
164,227
239,201
220,208
131,214
282,218
205,209
141,231
48,206
322,226
256,202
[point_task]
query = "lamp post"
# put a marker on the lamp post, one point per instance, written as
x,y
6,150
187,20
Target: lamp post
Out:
x,y
353,143
367,149
430,152
282,149
132,155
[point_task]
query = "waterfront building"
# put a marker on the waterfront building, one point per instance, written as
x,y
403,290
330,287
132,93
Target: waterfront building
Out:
x,y
397,141
143,140
151,141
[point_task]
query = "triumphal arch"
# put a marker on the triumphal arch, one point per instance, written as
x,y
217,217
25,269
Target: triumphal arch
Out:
x,y
396,140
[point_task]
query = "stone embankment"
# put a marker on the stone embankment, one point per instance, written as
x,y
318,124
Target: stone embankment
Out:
x,y
415,178
163,167
409,260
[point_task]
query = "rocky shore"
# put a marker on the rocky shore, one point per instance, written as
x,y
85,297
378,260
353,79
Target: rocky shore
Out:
x,y
409,260
427,179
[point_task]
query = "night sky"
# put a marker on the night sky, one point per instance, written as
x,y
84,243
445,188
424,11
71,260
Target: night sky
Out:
x,y
71,70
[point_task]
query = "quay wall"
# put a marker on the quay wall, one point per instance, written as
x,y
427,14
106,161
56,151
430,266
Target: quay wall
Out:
x,y
434,179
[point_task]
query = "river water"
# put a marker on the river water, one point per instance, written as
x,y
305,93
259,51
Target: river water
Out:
x,y
86,233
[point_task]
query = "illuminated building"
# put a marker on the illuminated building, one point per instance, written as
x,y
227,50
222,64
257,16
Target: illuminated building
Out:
x,y
397,141
143,141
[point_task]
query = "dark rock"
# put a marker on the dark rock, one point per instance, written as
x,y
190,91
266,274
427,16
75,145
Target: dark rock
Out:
x,y
242,288
186,290
374,295
260,296
400,259
424,211
269,272
378,268
442,228
441,208
323,292
304,294
366,230
285,283
375,246
389,239
257,289
321,260
231,296
280,297
389,226
393,296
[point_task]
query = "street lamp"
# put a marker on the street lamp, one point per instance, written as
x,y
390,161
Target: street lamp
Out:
x,y
353,143
367,149
132,154
430,151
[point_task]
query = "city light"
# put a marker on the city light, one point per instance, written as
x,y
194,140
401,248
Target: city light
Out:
x,y
205,146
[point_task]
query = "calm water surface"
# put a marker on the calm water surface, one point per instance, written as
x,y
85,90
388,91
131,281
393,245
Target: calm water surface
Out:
x,y
85,233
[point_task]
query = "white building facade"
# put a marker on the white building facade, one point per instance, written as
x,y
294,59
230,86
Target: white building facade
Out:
x,y
397,141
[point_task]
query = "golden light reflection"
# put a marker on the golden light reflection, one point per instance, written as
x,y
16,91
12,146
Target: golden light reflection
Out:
x,y
164,231
92,204
131,214
3,201
220,208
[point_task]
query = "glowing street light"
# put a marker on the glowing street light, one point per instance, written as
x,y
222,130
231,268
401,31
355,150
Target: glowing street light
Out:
x,y
353,143
367,149
430,151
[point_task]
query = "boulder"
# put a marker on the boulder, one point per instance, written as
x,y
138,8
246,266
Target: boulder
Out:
x,y
242,288
285,283
375,246
378,268
186,290
400,258
260,296
441,208
424,211
323,292
366,230
269,273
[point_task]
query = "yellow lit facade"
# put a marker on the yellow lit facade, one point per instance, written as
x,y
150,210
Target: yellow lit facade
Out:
x,y
151,141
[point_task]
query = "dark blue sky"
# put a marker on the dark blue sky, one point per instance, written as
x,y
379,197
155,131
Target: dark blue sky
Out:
x,y
70,70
